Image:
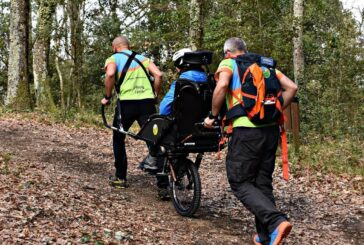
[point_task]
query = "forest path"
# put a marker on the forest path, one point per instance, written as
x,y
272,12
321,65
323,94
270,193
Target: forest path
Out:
x,y
54,190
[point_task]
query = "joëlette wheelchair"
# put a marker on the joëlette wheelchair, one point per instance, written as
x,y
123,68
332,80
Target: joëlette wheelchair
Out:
x,y
182,133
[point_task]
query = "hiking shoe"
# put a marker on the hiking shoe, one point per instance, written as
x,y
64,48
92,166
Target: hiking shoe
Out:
x,y
149,163
281,232
164,194
118,183
256,240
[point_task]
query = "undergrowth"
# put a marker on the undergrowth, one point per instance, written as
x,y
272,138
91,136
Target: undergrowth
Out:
x,y
331,155
342,154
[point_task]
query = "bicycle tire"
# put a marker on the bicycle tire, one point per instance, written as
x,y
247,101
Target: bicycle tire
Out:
x,y
189,174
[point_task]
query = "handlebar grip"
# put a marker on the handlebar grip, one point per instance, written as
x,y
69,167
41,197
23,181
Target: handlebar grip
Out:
x,y
104,117
202,124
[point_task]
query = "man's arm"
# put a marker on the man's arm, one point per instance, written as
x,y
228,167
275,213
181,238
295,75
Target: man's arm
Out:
x,y
109,82
157,74
218,97
289,90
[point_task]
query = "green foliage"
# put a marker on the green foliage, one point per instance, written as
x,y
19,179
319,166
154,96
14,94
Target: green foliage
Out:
x,y
331,94
338,155
331,97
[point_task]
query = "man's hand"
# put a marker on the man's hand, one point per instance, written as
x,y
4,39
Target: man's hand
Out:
x,y
208,123
105,101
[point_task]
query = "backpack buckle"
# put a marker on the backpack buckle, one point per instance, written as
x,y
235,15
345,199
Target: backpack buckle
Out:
x,y
270,99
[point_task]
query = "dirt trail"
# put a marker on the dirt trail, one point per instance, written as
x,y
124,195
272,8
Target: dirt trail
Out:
x,y
54,190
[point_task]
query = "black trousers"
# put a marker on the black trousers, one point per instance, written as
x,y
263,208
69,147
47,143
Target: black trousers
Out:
x,y
131,111
250,164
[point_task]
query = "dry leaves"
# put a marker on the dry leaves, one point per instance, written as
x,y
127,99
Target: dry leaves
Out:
x,y
53,190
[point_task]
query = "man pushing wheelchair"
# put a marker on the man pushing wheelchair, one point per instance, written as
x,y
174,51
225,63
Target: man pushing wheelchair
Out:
x,y
129,74
255,93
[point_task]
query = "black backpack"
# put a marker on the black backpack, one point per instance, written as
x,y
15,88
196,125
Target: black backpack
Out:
x,y
260,98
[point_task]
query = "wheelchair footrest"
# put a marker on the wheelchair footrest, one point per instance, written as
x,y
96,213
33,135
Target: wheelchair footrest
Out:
x,y
162,174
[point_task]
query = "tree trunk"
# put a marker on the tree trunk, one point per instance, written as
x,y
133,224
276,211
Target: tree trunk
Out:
x,y
76,26
298,57
18,94
114,29
196,29
57,45
298,60
61,84
44,98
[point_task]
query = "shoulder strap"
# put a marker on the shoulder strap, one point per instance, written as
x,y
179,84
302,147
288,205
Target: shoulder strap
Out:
x,y
240,69
124,71
141,65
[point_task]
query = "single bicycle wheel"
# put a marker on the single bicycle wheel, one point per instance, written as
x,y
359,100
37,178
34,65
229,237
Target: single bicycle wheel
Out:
x,y
186,190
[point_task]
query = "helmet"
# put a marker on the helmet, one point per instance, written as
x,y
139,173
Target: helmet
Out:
x,y
178,56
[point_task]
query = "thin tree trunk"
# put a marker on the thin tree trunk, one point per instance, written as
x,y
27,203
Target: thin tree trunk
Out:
x,y
44,98
18,94
298,60
70,90
115,28
61,84
196,30
261,29
298,57
57,40
74,7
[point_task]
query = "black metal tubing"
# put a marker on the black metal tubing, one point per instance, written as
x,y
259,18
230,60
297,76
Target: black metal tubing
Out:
x,y
104,117
120,130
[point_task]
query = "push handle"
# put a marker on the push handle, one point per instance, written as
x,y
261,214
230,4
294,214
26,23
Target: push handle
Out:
x,y
214,126
120,129
104,117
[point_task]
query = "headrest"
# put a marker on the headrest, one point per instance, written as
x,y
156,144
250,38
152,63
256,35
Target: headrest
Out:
x,y
198,58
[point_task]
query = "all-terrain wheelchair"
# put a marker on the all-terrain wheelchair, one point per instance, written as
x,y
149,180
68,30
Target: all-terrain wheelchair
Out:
x,y
182,133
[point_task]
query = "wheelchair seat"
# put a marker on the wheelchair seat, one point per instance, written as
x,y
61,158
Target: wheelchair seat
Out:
x,y
183,131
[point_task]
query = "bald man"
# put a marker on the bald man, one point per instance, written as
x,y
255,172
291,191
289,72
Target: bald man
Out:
x,y
136,99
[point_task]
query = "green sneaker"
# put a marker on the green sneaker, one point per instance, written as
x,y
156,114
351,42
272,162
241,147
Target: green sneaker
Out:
x,y
118,183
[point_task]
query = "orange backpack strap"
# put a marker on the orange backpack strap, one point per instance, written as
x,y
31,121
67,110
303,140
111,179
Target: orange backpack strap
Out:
x,y
222,142
284,148
224,138
280,109
224,120
259,83
229,125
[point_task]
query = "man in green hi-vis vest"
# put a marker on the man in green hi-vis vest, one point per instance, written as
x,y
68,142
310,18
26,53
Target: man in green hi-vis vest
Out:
x,y
252,146
136,94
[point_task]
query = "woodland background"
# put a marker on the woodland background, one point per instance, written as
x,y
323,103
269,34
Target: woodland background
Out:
x,y
52,53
